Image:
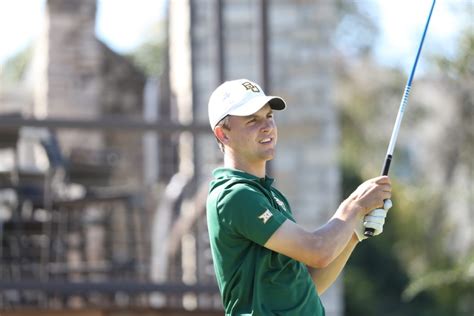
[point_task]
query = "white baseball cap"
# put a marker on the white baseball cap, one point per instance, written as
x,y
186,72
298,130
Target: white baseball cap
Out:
x,y
240,97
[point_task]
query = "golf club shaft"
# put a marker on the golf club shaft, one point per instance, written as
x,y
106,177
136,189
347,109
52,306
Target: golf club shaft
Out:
x,y
369,232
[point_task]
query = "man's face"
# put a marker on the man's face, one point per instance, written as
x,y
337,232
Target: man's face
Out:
x,y
253,138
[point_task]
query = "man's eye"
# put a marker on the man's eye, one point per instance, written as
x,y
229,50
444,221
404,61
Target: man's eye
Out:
x,y
251,121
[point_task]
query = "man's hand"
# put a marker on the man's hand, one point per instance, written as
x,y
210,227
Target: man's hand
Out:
x,y
371,194
375,220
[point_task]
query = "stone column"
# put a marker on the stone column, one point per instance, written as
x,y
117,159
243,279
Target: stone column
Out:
x,y
306,165
67,72
300,51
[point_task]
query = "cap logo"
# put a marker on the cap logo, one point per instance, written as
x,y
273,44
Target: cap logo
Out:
x,y
250,86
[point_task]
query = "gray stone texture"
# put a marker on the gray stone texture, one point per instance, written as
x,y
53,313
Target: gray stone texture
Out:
x,y
300,62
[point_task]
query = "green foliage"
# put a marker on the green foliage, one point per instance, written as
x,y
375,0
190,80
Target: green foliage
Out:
x,y
14,68
149,57
410,269
458,280
462,66
376,275
356,30
450,279
458,75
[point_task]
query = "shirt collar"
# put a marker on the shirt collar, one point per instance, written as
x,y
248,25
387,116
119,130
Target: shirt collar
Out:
x,y
235,173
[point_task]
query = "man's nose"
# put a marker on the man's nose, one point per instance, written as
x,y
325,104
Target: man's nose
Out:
x,y
268,126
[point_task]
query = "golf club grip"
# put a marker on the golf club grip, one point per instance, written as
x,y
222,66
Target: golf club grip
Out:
x,y
369,232
386,165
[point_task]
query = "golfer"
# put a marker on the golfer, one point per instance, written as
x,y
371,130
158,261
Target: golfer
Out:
x,y
260,254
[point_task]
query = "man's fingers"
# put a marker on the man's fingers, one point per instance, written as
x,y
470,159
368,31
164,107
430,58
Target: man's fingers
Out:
x,y
373,193
382,180
384,186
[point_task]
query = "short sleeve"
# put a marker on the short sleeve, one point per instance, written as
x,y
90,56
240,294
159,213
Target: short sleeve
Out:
x,y
246,211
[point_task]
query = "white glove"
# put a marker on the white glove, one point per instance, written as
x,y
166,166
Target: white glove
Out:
x,y
375,220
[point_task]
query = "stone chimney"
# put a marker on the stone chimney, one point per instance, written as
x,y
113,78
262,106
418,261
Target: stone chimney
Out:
x,y
77,76
67,66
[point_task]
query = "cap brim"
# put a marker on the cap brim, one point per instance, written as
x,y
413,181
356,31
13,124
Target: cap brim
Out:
x,y
254,105
277,103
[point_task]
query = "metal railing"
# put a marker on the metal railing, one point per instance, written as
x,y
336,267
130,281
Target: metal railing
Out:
x,y
59,251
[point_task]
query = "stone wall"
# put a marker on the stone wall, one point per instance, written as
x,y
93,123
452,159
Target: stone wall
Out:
x,y
77,76
306,166
300,52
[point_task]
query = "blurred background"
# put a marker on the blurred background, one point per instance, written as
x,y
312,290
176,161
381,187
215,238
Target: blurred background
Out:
x,y
106,151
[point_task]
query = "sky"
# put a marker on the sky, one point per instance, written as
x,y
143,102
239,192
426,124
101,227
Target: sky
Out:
x,y
25,17
401,22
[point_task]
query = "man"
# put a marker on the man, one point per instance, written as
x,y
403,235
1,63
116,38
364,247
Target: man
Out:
x,y
260,254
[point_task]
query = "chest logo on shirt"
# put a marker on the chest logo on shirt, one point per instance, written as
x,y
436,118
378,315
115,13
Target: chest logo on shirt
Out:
x,y
265,216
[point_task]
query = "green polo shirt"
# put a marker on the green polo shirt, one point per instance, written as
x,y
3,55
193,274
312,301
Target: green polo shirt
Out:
x,y
243,211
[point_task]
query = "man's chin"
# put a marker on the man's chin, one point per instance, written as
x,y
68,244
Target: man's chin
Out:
x,y
269,155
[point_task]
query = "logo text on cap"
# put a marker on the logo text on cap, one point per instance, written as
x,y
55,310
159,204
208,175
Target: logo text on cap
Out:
x,y
250,86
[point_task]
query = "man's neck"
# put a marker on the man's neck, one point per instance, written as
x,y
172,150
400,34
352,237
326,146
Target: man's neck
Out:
x,y
256,169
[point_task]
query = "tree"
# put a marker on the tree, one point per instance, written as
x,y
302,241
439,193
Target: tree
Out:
x,y
14,68
413,268
149,56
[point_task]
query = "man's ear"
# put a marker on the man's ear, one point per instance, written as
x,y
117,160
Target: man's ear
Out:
x,y
220,134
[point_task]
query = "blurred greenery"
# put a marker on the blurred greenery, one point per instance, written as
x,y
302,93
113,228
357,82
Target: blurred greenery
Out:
x,y
148,57
356,32
412,268
14,68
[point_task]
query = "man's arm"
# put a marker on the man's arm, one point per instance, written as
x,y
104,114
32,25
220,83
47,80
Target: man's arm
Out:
x,y
319,248
325,277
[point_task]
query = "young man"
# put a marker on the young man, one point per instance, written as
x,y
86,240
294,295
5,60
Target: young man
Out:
x,y
260,254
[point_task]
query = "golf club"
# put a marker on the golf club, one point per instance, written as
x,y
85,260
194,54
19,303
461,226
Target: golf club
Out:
x,y
369,232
